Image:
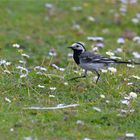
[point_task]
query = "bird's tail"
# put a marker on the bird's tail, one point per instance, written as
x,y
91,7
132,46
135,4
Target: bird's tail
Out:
x,y
127,62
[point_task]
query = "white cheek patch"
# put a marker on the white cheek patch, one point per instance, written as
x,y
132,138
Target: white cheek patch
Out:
x,y
81,49
76,46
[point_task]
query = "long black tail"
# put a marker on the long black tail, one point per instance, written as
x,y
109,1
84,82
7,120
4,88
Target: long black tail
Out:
x,y
127,62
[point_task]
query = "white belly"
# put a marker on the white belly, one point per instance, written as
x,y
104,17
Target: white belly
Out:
x,y
92,66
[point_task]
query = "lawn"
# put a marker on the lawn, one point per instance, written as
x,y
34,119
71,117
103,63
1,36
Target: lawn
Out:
x,y
36,65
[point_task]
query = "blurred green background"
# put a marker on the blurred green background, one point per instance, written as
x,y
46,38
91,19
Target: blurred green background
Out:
x,y
41,25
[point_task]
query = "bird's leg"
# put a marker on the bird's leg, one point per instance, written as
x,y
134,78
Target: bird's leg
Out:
x,y
85,74
98,74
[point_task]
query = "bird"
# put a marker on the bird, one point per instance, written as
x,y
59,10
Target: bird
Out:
x,y
90,61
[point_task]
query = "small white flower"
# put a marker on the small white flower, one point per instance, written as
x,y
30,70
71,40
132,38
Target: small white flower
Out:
x,y
75,71
52,88
25,55
2,62
60,105
130,83
121,40
23,71
92,38
66,83
16,45
55,66
19,67
51,96
8,63
95,49
102,96
138,15
124,111
95,78
52,54
23,75
40,68
133,95
7,71
7,99
126,79
98,38
61,69
124,1
123,10
97,109
86,139
58,68
136,77
48,5
40,73
22,62
90,18
103,71
41,86
76,27
136,39
133,1
130,135
112,69
110,53
136,55
80,122
70,55
127,97
119,50
130,66
43,69
135,20
125,102
127,111
132,110
107,101
11,129
99,45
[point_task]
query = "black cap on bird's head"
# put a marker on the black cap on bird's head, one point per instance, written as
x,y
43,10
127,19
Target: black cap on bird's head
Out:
x,y
78,47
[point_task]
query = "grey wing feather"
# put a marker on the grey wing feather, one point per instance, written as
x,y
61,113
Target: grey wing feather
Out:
x,y
89,57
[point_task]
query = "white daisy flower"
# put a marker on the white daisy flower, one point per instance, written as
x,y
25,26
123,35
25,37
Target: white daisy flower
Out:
x,y
52,88
121,40
133,95
41,86
125,102
7,100
136,55
112,69
25,55
16,45
136,77
97,109
102,96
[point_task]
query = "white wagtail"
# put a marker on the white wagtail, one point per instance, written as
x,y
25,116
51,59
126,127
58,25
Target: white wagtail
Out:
x,y
90,61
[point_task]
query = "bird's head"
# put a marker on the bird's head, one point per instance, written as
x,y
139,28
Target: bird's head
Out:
x,y
78,47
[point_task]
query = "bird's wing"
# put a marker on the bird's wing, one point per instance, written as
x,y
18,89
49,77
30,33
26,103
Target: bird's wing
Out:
x,y
89,57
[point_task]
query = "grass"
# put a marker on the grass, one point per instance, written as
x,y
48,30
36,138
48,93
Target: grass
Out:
x,y
30,24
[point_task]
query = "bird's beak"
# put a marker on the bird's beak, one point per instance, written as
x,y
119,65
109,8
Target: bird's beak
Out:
x,y
70,47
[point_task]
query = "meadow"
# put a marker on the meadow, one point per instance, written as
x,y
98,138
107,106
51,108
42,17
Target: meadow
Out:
x,y
38,101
